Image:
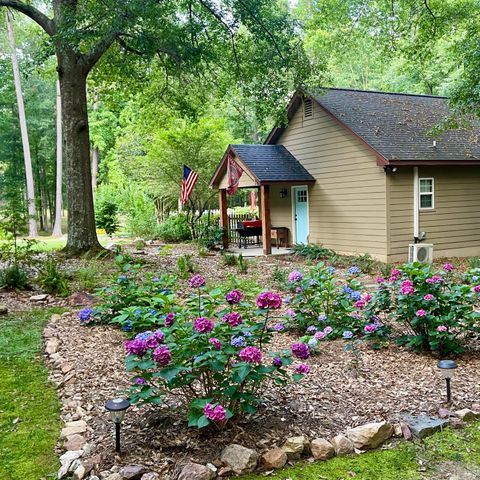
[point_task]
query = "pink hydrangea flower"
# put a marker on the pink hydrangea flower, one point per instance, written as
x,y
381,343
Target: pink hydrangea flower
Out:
x,y
290,312
476,289
197,281
295,276
407,287
162,356
269,300
250,355
302,368
360,303
395,274
327,330
380,280
215,414
442,328
434,279
217,344
369,328
159,336
319,335
300,350
151,342
448,267
428,297
203,325
234,297
421,313
233,319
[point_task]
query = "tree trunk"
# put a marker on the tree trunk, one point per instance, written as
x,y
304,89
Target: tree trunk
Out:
x,y
95,154
82,236
57,227
32,220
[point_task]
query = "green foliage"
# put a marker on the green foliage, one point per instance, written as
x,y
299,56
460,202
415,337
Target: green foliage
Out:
x,y
242,264
13,278
312,252
140,244
185,265
365,263
228,259
106,216
30,413
174,229
51,279
436,309
279,277
474,263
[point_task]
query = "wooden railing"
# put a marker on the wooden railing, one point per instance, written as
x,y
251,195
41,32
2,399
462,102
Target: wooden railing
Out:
x,y
232,225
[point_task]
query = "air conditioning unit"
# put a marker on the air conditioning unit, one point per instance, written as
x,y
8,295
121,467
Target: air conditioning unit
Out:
x,y
420,252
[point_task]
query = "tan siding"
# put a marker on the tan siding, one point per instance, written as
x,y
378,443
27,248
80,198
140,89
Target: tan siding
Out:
x,y
281,209
245,180
453,227
348,202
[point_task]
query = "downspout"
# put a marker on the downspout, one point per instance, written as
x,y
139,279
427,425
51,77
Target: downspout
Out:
x,y
416,211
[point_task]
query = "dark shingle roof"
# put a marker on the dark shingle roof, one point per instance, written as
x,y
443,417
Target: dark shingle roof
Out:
x,y
397,125
272,163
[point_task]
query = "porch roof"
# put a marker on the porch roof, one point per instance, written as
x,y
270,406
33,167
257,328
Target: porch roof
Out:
x,y
265,164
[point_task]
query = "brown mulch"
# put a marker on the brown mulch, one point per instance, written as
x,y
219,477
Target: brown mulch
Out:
x,y
334,396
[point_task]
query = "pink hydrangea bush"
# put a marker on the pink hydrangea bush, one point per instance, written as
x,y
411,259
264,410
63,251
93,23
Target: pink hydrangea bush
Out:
x,y
212,355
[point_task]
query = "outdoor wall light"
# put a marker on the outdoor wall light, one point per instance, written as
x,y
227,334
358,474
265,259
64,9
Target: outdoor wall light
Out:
x,y
389,169
283,193
447,367
117,408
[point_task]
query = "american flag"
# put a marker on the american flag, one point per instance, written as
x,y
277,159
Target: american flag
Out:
x,y
189,180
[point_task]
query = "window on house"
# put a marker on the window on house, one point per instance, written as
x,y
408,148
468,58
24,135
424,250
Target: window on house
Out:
x,y
308,107
426,193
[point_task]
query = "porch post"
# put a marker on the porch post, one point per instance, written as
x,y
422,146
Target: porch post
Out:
x,y
266,226
222,202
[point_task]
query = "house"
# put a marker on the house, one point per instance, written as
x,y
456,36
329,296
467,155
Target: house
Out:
x,y
365,172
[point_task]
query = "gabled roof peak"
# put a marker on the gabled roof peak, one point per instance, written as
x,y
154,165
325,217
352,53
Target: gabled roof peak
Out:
x,y
380,92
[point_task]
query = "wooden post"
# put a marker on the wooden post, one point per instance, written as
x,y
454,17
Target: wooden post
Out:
x,y
266,225
222,202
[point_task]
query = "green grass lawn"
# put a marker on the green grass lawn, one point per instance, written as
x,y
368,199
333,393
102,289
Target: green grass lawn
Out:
x,y
452,450
29,408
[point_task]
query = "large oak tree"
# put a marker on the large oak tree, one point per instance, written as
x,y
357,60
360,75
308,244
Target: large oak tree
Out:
x,y
254,39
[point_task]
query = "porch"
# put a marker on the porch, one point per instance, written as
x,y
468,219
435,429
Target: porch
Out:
x,y
253,252
271,169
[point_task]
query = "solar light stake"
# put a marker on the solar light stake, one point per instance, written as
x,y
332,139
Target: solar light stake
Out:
x,y
117,408
447,367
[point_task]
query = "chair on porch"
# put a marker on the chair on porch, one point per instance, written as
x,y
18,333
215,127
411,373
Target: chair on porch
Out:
x,y
248,229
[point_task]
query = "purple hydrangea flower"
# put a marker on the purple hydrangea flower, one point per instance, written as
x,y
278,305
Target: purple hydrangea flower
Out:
x,y
203,325
196,281
234,297
127,326
143,335
162,355
302,368
140,381
331,270
353,270
85,315
237,341
327,330
136,347
322,317
347,334
448,267
279,327
312,329
300,350
217,344
159,336
295,276
233,319
290,312
277,362
169,319
269,300
476,289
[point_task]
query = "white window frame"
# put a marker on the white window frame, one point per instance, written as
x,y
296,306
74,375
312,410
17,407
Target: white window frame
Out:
x,y
420,193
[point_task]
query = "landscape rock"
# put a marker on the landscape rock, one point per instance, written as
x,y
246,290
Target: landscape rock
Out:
x,y
3,309
52,346
422,426
466,415
79,473
397,430
55,318
196,471
73,428
114,476
66,461
150,476
74,442
456,423
444,412
407,434
273,459
295,446
342,445
321,449
80,299
370,435
39,298
132,472
239,458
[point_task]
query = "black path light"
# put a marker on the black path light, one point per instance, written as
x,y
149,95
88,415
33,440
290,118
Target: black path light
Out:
x,y
447,367
117,408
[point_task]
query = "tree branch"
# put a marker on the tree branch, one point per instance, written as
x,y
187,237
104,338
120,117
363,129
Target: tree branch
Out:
x,y
93,56
36,15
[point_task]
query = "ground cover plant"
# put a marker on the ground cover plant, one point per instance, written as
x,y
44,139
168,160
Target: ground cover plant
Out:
x,y
29,409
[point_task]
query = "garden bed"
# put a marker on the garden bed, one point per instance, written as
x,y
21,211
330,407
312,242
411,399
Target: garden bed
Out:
x,y
331,398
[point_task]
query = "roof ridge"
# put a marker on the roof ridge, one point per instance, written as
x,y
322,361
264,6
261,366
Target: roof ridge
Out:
x,y
381,92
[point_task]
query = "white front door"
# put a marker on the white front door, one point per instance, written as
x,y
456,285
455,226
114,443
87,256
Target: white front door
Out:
x,y
300,211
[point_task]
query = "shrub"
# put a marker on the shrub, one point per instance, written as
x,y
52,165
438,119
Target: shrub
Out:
x,y
474,263
185,265
174,229
312,252
106,216
242,264
365,263
13,278
51,279
228,259
279,277
437,311
209,232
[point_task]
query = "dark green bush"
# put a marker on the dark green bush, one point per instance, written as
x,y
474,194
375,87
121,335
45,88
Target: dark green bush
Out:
x,y
106,216
13,278
312,252
51,279
174,229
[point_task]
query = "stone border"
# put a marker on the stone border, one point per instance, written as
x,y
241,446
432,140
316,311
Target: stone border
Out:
x,y
80,462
